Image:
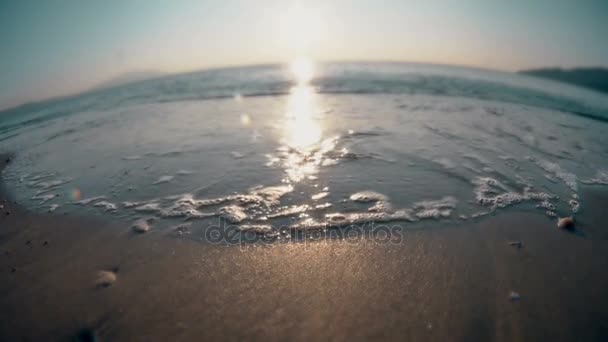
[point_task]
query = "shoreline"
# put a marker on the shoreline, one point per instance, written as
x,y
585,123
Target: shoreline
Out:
x,y
435,285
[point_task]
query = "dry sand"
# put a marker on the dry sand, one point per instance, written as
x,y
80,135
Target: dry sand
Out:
x,y
439,284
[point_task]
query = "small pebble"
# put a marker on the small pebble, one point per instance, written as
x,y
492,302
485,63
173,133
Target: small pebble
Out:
x,y
566,223
517,244
105,278
14,269
141,226
45,243
513,296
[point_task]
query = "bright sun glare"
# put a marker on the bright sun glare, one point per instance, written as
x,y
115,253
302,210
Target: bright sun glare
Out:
x,y
302,69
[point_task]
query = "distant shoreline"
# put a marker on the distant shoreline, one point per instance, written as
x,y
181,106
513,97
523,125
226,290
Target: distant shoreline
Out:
x,y
591,78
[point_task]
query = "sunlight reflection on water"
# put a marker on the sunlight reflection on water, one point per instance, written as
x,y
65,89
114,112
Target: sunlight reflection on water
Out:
x,y
303,147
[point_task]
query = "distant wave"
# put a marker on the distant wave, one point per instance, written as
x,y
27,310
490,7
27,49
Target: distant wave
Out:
x,y
351,78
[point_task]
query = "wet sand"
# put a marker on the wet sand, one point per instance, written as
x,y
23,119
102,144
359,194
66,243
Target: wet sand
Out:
x,y
451,283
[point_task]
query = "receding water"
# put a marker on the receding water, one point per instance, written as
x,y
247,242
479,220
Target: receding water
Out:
x,y
359,143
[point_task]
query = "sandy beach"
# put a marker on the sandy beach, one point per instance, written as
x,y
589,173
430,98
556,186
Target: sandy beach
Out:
x,y
455,282
304,171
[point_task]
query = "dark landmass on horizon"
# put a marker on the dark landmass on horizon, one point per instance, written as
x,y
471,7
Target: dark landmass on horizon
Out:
x,y
592,78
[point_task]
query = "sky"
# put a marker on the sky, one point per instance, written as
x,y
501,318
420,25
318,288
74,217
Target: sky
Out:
x,y
57,47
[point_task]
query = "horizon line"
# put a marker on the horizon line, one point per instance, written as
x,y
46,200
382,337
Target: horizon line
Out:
x,y
100,87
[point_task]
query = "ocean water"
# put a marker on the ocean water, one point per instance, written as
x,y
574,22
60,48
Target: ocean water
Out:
x,y
352,143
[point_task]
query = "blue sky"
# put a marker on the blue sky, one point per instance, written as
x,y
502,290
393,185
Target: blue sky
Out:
x,y
56,47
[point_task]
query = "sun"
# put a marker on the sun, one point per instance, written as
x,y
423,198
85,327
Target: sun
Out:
x,y
302,69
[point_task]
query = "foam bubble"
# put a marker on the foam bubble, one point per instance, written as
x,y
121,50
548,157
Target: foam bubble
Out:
x,y
323,206
45,186
290,211
445,163
40,176
480,214
233,213
554,169
381,201
546,205
238,208
435,209
237,155
574,205
347,219
186,211
130,204
44,198
600,178
262,229
491,193
107,206
319,195
367,196
148,207
380,206
163,179
137,157
52,207
90,200
434,213
183,228
274,193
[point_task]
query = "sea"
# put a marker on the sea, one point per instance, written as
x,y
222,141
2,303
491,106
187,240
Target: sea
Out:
x,y
310,146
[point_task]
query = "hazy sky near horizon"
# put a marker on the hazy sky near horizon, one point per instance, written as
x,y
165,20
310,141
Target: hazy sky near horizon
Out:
x,y
55,47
